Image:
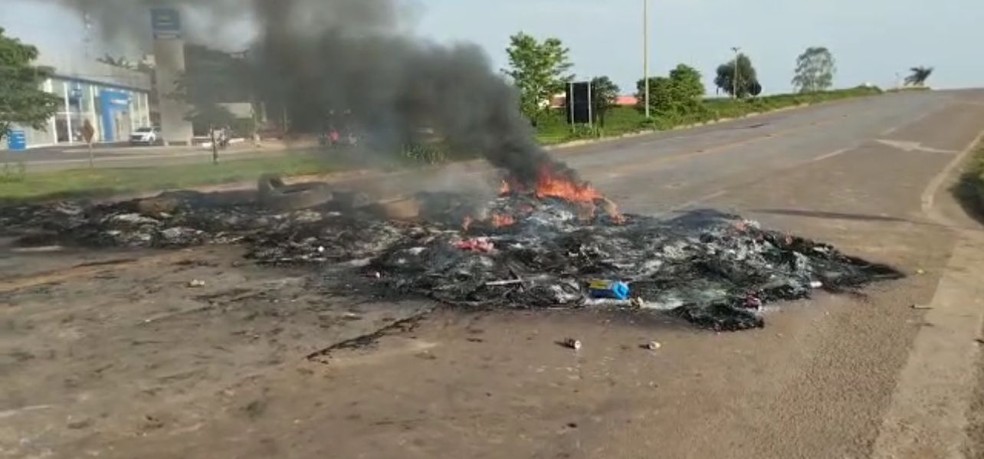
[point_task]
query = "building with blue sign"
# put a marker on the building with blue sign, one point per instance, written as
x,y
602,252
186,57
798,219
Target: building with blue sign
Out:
x,y
115,100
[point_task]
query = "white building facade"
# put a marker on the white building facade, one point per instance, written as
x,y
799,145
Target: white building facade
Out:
x,y
115,100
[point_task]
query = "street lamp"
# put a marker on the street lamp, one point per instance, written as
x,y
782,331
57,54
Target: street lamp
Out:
x,y
734,79
645,53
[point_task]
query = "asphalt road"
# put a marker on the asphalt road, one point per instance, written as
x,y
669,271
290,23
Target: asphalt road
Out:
x,y
833,377
837,377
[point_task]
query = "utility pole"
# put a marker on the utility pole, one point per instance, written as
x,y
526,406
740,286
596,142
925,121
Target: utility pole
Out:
x,y
645,53
87,39
734,79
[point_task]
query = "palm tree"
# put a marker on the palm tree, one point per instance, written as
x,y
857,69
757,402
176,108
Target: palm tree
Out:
x,y
918,76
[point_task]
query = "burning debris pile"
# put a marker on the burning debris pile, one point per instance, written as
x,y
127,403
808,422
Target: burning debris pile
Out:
x,y
712,269
554,243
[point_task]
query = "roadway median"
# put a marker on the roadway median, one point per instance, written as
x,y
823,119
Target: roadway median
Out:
x,y
18,184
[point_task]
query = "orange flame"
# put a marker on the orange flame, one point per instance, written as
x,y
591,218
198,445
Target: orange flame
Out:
x,y
551,185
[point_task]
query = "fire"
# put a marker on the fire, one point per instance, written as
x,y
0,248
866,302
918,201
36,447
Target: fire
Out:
x,y
500,220
551,185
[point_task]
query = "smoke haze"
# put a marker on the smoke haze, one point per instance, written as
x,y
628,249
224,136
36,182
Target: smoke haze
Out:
x,y
312,56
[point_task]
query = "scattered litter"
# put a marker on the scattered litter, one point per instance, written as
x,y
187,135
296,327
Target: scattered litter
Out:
x,y
921,306
920,271
616,290
573,344
196,283
653,345
816,284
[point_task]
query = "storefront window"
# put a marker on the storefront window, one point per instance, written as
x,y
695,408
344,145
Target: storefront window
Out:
x,y
35,137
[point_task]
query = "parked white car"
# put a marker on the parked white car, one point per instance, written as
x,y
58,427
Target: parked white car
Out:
x,y
145,136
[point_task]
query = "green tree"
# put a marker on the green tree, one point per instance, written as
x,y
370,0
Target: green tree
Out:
x,y
22,101
675,95
815,70
604,95
687,82
660,94
539,70
918,76
747,83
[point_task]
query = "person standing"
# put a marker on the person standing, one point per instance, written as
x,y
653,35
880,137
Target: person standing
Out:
x,y
88,134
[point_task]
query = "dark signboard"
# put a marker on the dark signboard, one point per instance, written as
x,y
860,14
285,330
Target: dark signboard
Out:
x,y
578,101
166,23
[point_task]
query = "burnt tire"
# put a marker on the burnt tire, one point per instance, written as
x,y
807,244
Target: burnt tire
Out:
x,y
273,194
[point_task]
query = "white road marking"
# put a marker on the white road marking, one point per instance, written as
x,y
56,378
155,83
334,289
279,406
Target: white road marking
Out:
x,y
913,146
928,414
831,154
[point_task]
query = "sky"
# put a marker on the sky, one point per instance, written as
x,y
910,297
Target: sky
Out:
x,y
872,41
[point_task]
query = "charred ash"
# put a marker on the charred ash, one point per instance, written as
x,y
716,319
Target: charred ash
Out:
x,y
529,248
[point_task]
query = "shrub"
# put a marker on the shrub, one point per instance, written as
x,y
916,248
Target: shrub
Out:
x,y
672,106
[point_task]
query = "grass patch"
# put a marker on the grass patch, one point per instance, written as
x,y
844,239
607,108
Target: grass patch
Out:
x,y
100,182
909,89
553,129
970,189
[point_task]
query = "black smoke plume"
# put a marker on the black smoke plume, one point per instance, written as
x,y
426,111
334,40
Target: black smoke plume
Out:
x,y
310,57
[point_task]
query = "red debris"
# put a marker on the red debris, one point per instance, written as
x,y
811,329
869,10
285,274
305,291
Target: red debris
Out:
x,y
480,244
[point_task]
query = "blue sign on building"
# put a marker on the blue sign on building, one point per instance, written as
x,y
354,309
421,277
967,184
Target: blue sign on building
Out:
x,y
166,23
17,141
113,104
